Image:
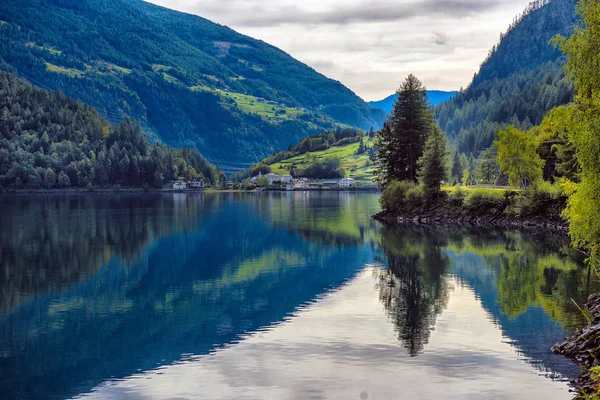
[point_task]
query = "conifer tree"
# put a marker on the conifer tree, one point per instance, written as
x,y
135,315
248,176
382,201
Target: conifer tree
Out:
x,y
402,139
457,168
433,163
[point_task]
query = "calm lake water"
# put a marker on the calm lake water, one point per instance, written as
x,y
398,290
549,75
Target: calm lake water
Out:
x,y
274,296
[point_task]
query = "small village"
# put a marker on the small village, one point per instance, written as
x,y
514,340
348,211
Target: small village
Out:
x,y
275,182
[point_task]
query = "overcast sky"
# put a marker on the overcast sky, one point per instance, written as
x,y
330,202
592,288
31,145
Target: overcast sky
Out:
x,y
371,45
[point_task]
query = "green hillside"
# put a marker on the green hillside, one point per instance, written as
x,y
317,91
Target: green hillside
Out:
x,y
355,165
519,82
189,81
48,140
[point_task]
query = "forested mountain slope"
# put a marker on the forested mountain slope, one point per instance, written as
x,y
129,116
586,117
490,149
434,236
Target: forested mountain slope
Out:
x,y
50,141
520,81
188,80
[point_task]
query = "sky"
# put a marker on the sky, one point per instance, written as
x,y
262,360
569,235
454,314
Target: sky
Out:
x,y
371,45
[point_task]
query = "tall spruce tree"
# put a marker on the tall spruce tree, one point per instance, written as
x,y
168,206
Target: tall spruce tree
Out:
x,y
402,139
457,168
432,165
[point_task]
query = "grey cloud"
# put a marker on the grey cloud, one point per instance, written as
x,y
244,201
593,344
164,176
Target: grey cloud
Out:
x,y
255,15
440,38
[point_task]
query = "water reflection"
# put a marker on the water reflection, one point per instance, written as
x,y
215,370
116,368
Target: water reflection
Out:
x,y
102,287
413,288
48,242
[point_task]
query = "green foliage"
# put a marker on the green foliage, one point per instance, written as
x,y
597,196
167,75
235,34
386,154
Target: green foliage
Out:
x,y
48,140
486,201
555,145
322,169
536,199
187,80
583,207
456,171
465,177
402,139
260,168
262,181
432,164
518,157
393,196
456,197
521,80
486,167
402,196
344,146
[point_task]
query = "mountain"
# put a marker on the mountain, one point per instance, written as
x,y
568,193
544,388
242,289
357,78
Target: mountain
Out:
x,y
48,140
519,82
188,80
435,97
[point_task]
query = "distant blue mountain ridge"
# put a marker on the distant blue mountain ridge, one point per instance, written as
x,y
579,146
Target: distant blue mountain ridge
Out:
x,y
435,97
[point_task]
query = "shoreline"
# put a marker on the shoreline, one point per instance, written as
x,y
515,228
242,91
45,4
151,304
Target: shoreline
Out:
x,y
190,191
582,349
440,217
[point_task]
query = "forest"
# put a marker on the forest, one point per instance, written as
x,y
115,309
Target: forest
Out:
x,y
520,81
172,71
48,140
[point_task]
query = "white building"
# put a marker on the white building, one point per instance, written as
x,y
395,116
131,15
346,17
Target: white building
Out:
x,y
346,183
273,178
179,185
197,183
287,179
290,187
301,183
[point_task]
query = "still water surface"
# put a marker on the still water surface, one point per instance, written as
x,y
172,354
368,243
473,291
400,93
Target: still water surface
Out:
x,y
274,296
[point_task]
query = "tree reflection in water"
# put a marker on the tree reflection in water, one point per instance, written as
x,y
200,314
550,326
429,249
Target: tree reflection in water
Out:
x,y
413,287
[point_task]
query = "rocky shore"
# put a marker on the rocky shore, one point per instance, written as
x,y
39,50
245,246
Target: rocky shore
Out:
x,y
583,348
551,221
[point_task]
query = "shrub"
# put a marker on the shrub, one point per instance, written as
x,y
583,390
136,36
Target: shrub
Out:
x,y
415,197
394,196
536,199
486,201
457,197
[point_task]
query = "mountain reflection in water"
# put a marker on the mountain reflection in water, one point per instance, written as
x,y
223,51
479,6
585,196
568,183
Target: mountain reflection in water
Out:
x,y
267,295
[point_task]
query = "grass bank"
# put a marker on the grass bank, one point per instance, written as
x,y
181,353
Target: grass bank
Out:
x,y
541,206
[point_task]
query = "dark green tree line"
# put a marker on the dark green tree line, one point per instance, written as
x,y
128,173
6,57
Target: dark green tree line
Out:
x,y
48,140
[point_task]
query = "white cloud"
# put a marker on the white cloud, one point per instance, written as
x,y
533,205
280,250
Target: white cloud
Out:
x,y
371,45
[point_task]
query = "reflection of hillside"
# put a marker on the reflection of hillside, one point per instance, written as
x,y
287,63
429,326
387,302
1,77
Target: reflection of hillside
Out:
x,y
525,281
47,242
413,288
531,271
189,292
332,218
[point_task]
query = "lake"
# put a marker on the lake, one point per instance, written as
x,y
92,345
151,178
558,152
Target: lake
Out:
x,y
275,296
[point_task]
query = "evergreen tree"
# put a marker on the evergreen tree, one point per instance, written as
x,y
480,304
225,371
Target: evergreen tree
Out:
x,y
403,136
433,163
457,168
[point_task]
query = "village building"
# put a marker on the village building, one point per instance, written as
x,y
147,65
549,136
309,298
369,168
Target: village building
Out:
x,y
197,183
346,183
290,187
301,183
287,179
179,185
330,183
273,178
